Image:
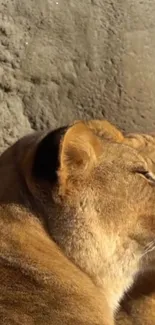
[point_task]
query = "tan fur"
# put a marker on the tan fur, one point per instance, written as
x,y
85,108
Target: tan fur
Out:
x,y
73,240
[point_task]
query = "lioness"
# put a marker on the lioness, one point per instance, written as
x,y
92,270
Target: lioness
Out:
x,y
77,224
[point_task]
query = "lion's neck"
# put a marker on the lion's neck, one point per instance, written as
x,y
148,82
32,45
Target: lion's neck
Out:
x,y
115,285
112,277
111,264
112,270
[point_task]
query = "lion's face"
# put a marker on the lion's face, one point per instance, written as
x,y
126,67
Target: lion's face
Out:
x,y
123,187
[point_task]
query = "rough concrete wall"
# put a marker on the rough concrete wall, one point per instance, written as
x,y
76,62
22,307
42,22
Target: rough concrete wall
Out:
x,y
65,59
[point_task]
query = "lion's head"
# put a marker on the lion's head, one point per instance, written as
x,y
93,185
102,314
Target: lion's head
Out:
x,y
96,192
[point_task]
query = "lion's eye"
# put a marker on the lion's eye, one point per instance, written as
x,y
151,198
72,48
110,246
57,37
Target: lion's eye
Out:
x,y
148,175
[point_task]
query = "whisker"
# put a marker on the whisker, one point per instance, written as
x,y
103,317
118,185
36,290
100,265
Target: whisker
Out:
x,y
149,248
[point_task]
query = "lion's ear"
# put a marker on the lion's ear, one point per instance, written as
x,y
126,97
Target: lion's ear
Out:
x,y
66,152
80,150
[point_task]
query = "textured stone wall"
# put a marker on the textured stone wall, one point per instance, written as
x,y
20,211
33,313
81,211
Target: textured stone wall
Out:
x,y
66,59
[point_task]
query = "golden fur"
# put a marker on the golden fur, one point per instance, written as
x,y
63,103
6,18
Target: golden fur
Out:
x,y
77,224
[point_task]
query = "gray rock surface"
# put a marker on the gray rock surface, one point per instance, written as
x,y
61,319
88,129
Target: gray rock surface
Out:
x,y
66,59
